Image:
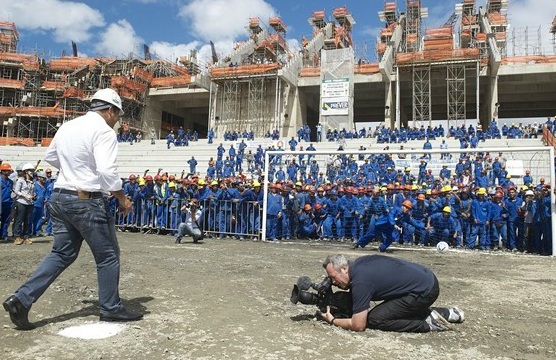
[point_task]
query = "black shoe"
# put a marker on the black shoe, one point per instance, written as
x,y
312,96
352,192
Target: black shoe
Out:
x,y
178,240
18,313
121,315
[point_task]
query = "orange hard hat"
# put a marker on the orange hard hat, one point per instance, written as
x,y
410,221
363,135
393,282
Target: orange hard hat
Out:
x,y
421,197
307,207
6,167
408,204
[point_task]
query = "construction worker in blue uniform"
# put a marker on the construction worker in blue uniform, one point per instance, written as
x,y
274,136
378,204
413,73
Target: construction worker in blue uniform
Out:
x,y
307,225
419,212
174,206
49,189
480,212
498,222
442,227
333,219
37,218
192,165
7,201
283,228
273,213
211,170
389,226
544,204
512,203
225,201
527,178
220,150
210,136
349,206
149,203
292,144
129,191
161,194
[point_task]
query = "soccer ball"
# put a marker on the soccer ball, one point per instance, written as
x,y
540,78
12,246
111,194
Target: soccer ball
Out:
x,y
442,247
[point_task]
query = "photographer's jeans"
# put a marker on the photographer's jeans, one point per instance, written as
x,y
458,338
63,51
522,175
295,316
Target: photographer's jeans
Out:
x,y
75,220
194,232
406,314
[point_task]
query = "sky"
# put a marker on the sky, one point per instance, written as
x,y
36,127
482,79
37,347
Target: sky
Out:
x,y
171,28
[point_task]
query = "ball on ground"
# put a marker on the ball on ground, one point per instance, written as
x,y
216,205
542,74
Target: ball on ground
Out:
x,y
442,247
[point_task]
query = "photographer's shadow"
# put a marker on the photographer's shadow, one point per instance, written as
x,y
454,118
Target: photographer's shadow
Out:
x,y
303,317
92,309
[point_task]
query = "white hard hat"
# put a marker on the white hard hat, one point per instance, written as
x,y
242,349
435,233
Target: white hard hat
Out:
x,y
27,166
41,174
529,192
109,96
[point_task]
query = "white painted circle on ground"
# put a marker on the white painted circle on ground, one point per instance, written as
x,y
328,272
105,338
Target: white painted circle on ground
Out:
x,y
92,331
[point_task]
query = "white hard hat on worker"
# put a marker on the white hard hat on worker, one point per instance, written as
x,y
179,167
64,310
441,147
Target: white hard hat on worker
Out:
x,y
106,97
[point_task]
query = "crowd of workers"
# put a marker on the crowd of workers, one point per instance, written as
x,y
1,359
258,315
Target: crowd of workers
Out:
x,y
358,198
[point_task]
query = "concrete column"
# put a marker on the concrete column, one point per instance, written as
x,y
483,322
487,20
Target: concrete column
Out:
x,y
489,109
389,107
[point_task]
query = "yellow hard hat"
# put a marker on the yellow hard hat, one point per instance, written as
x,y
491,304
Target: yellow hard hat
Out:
x,y
256,183
141,181
214,182
201,182
447,209
171,184
414,187
407,169
446,188
428,192
481,191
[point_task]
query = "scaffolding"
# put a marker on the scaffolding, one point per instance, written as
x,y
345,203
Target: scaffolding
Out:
x,y
526,41
455,93
390,17
422,105
9,37
553,32
244,90
414,15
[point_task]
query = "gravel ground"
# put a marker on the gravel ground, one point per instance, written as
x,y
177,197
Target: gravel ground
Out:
x,y
229,299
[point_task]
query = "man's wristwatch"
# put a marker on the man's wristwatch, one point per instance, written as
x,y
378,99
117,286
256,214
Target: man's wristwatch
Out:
x,y
332,321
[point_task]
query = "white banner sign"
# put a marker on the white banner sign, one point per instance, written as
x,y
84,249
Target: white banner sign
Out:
x,y
334,88
335,106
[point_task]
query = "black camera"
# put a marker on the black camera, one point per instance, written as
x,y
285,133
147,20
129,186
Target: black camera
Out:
x,y
322,296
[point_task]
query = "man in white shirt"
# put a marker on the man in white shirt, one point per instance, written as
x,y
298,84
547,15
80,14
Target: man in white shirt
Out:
x,y
85,151
191,225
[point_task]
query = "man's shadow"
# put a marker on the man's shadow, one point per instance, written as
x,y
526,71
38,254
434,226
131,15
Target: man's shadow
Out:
x,y
135,305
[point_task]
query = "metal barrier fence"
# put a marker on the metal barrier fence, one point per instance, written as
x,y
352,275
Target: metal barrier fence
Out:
x,y
219,218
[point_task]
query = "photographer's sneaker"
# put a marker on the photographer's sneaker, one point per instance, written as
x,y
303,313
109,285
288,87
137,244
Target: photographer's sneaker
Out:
x,y
178,240
437,323
456,315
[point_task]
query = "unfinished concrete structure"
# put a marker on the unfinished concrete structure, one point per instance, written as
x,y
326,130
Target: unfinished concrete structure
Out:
x,y
469,69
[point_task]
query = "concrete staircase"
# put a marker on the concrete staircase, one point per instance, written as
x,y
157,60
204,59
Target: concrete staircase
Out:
x,y
134,159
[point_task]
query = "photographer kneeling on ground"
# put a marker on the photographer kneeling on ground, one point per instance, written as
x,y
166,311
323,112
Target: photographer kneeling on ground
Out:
x,y
191,224
406,289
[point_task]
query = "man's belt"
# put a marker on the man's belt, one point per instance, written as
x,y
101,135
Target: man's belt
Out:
x,y
82,194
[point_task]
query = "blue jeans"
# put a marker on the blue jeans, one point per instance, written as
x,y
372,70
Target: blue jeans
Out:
x,y
73,221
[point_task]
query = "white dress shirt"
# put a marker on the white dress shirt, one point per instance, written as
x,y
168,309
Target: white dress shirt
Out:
x,y
85,151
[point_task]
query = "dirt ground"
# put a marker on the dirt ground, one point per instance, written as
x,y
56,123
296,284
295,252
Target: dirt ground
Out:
x,y
229,299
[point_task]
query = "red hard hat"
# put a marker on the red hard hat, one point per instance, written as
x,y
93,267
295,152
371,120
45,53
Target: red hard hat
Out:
x,y
148,178
132,177
317,206
157,177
